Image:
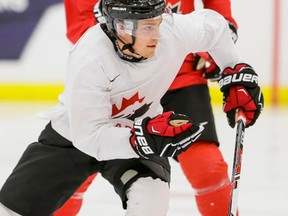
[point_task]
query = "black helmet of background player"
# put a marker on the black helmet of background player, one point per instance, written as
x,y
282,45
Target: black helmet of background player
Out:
x,y
128,12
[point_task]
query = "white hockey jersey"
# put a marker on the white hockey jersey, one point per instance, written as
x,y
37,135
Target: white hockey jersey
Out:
x,y
104,94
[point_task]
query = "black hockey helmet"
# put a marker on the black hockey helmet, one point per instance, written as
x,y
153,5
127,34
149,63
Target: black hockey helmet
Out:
x,y
131,9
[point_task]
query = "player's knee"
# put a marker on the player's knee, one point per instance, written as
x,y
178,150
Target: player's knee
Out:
x,y
204,166
148,196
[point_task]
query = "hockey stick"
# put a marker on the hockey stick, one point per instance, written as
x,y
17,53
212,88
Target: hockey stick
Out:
x,y
235,178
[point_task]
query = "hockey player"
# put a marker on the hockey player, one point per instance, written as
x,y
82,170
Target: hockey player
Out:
x,y
111,103
188,94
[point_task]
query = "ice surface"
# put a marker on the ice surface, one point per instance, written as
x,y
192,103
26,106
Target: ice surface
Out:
x,y
263,186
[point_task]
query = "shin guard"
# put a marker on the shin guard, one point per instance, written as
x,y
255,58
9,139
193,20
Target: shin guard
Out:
x,y
73,205
206,170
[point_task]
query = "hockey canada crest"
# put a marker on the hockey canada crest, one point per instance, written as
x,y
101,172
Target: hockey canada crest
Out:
x,y
126,109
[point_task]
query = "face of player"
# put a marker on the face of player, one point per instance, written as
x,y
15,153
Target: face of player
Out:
x,y
146,34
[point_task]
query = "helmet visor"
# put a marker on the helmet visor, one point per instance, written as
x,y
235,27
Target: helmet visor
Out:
x,y
144,28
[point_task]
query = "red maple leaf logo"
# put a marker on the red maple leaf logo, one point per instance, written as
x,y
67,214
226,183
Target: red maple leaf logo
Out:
x,y
126,103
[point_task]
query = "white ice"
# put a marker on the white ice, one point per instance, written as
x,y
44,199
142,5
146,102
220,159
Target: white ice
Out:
x,y
263,186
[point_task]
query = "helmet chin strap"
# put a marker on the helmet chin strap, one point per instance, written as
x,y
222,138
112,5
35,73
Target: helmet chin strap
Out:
x,y
129,46
113,37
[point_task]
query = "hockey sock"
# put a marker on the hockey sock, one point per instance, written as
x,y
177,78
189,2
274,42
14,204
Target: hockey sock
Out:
x,y
73,205
206,170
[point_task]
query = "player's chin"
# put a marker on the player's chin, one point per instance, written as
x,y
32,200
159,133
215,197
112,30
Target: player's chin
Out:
x,y
150,51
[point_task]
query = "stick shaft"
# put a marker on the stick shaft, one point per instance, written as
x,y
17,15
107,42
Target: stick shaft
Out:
x,y
237,161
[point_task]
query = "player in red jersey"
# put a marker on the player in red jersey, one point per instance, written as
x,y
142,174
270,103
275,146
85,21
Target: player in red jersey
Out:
x,y
203,163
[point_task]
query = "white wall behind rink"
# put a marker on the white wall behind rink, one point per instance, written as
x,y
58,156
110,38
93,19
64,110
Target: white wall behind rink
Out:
x,y
44,58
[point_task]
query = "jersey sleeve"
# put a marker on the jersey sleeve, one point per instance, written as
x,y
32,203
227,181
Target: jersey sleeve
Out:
x,y
208,32
221,6
79,17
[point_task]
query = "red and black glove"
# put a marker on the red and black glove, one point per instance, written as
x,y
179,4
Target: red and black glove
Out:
x,y
166,135
240,88
203,61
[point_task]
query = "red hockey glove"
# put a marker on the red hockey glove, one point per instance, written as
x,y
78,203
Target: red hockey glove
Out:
x,y
203,61
166,135
240,88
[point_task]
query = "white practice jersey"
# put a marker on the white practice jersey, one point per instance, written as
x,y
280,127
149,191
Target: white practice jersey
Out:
x,y
104,94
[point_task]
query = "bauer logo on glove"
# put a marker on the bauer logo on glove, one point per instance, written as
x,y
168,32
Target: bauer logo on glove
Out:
x,y
242,73
166,135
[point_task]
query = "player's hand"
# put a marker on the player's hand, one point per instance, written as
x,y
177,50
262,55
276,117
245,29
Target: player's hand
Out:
x,y
166,135
240,88
203,61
